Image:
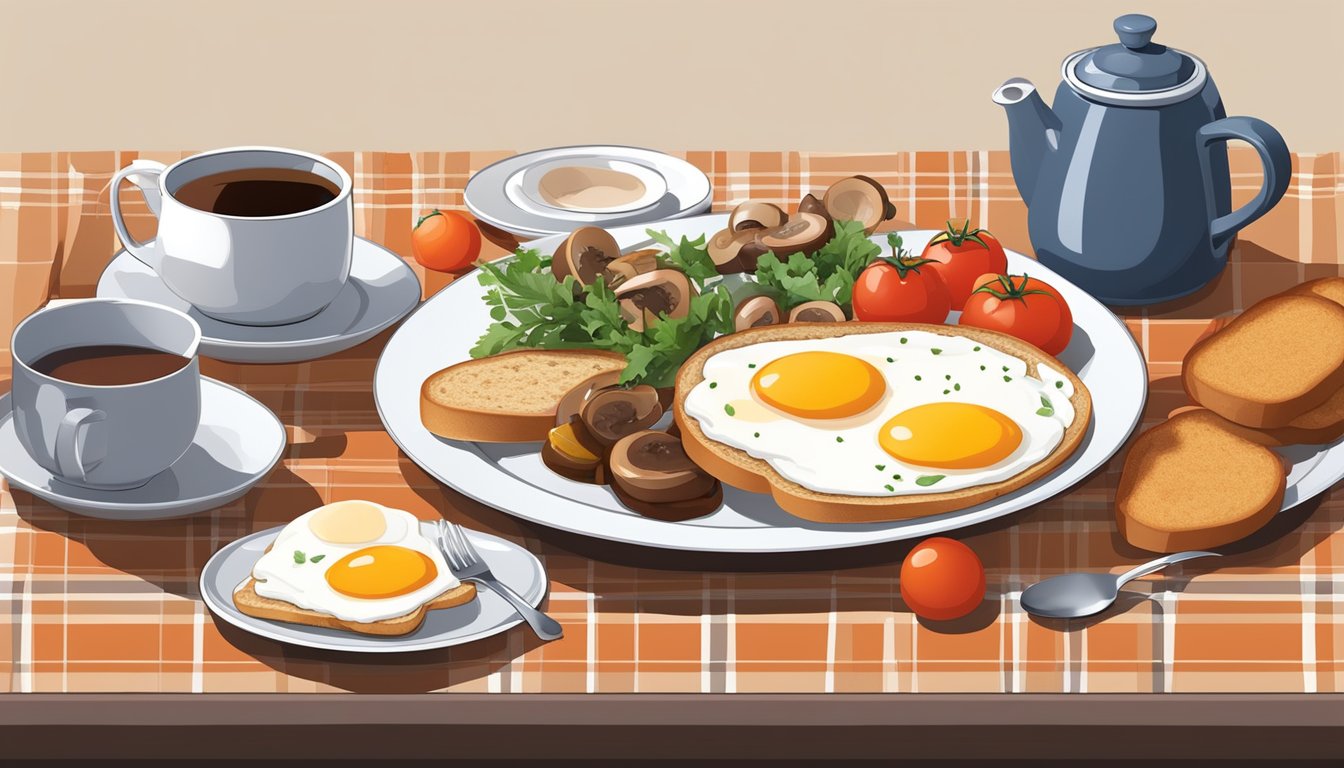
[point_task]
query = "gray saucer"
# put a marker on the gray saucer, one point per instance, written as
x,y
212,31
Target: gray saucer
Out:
x,y
382,289
237,444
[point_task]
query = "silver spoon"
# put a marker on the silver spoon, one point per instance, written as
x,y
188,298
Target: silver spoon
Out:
x,y
1075,595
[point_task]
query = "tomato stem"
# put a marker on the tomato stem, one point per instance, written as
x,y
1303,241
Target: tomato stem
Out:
x,y
430,215
958,236
1010,291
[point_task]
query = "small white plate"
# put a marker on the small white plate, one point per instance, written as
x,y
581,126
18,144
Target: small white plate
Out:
x,y
382,289
237,444
487,615
512,477
493,194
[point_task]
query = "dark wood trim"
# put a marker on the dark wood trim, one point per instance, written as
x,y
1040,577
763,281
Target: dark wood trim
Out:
x,y
685,726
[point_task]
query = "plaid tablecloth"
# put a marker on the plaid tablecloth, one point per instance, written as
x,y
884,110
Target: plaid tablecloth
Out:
x,y
100,606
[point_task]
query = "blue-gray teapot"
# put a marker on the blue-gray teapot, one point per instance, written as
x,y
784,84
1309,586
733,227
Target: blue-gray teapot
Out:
x,y
1125,178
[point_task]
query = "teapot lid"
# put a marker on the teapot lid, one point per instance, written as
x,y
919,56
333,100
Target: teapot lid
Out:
x,y
1136,66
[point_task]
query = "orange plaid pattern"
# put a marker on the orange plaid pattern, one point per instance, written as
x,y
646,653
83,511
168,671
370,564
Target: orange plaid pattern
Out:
x,y
102,606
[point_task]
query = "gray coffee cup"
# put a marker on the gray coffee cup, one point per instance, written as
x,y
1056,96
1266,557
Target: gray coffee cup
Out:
x,y
109,437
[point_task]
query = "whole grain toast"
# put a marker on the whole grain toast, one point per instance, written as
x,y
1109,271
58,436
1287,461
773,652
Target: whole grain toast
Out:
x,y
1331,288
249,602
1274,363
738,468
508,398
1189,483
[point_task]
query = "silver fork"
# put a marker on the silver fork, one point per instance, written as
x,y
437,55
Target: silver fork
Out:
x,y
466,564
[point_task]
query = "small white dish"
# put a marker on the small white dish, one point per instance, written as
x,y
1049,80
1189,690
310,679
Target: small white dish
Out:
x,y
497,193
382,290
544,184
237,444
487,615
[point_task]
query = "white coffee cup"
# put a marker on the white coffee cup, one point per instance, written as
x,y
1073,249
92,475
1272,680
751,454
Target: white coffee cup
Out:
x,y
106,436
249,270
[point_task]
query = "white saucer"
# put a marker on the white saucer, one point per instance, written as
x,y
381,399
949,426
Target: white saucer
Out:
x,y
236,446
497,193
487,615
382,289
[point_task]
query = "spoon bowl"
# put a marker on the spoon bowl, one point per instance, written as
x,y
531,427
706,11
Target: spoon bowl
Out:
x,y
1075,595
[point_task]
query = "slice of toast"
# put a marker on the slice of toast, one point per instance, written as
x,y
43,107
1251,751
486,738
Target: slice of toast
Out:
x,y
1331,288
1322,424
1188,483
738,468
1275,362
508,398
249,602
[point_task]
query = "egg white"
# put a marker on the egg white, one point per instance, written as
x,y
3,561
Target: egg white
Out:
x,y
280,577
843,456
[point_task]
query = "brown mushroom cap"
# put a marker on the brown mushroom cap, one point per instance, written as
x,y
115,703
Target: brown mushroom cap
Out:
x,y
611,414
735,251
755,312
572,401
644,298
804,233
631,264
859,198
817,312
754,214
584,254
810,204
653,467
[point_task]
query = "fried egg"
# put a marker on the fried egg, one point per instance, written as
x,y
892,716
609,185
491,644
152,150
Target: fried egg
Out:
x,y
355,560
883,414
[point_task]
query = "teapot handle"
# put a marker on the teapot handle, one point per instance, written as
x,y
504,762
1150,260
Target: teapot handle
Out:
x,y
1274,156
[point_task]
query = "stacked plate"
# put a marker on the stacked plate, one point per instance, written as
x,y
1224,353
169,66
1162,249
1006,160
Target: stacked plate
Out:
x,y
553,191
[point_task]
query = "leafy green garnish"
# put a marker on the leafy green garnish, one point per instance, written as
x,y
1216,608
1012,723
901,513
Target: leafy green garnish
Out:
x,y
827,275
926,480
299,557
1047,408
689,256
316,558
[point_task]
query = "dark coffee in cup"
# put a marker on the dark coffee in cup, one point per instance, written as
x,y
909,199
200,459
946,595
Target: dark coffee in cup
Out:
x,y
108,365
252,192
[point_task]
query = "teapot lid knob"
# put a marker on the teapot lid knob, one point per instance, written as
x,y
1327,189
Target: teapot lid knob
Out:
x,y
1135,30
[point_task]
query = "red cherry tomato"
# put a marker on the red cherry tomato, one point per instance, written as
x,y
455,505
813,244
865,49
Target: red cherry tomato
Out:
x,y
446,241
942,579
1020,306
959,256
899,291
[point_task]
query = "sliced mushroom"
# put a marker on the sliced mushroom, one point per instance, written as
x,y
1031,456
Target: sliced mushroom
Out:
x,y
817,312
755,312
572,401
653,467
810,204
611,414
756,215
734,252
631,264
567,452
859,198
647,297
804,233
585,254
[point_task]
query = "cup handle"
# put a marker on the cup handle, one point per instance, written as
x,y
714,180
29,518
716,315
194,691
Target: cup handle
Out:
x,y
144,174
1274,155
68,444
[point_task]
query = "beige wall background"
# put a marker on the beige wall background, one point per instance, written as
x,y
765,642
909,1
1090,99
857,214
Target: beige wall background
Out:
x,y
838,75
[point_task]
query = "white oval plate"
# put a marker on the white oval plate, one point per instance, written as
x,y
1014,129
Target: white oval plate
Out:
x,y
511,477
487,615
491,194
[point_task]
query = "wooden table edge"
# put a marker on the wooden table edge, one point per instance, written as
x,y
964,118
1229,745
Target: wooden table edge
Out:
x,y
1117,726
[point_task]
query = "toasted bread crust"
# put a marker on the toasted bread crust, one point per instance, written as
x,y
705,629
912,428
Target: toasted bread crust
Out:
x,y
463,422
1242,504
1210,388
738,468
247,600
1277,437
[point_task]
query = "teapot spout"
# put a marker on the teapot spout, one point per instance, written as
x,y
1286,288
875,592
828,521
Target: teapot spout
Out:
x,y
1033,131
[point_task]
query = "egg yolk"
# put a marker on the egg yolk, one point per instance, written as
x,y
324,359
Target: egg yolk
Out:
x,y
950,436
383,571
819,385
